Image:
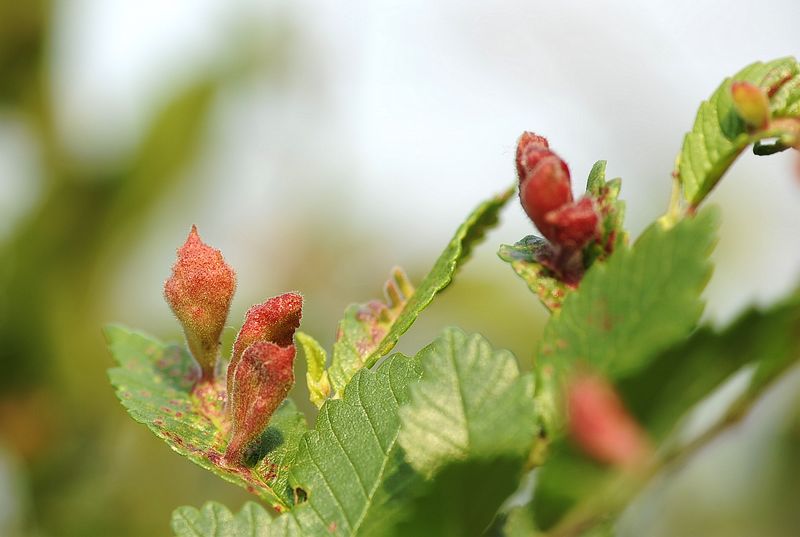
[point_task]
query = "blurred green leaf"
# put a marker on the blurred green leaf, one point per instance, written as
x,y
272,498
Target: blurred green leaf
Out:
x,y
462,500
155,382
639,302
660,394
369,332
23,30
719,135
215,520
471,402
567,478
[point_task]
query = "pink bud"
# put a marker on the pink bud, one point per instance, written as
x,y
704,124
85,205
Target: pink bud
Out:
x,y
200,292
274,320
574,224
751,103
261,382
600,424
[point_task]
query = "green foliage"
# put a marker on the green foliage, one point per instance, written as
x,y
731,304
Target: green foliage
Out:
x,y
612,210
368,332
462,500
319,385
661,393
154,381
719,135
215,520
471,402
364,326
438,444
638,303
342,462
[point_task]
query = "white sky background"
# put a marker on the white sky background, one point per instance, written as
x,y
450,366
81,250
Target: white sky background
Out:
x,y
406,115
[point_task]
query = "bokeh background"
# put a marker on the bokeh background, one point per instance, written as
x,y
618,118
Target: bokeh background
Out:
x,y
319,143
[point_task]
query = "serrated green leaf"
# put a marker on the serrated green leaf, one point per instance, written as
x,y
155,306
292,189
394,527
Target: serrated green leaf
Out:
x,y
471,402
154,382
369,332
462,500
719,135
636,304
319,386
342,464
215,520
567,477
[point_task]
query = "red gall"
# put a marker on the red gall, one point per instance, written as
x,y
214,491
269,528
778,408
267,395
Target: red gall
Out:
x,y
262,380
274,320
199,292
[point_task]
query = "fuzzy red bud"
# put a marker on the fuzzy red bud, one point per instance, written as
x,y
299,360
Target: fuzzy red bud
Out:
x,y
544,181
751,103
600,424
262,380
274,320
575,224
528,146
199,292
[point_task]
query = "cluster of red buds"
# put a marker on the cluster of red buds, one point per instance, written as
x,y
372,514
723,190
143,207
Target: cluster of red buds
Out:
x,y
545,191
261,369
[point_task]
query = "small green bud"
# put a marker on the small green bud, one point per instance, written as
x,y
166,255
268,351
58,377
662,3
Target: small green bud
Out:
x,y
199,292
262,380
751,103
